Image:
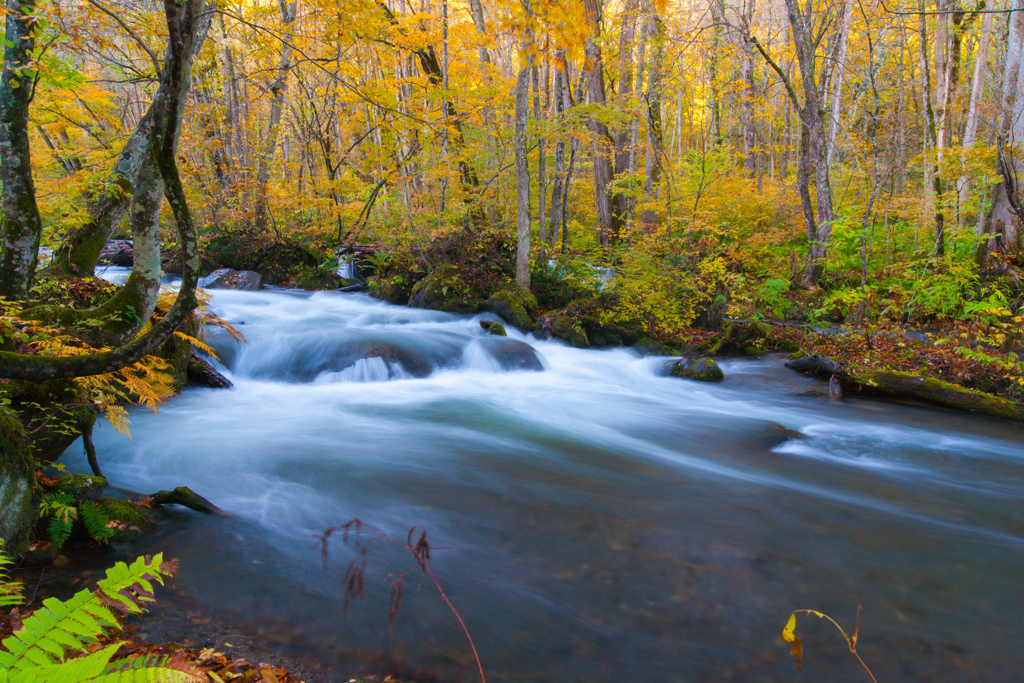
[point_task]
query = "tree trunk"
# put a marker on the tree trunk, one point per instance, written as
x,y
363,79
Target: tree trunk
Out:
x,y
279,88
522,112
1002,227
655,144
747,68
560,93
22,226
609,216
973,109
80,251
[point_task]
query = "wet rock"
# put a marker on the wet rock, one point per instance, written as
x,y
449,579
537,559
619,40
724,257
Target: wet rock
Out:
x,y
202,374
226,278
514,355
902,385
495,328
650,347
775,434
815,366
82,487
357,287
700,369
514,306
117,253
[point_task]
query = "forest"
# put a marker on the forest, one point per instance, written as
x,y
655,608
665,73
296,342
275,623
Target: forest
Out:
x,y
705,187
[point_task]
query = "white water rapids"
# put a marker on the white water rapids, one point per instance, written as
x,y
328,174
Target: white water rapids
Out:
x,y
604,522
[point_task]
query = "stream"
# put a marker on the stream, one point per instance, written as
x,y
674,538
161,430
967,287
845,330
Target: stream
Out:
x,y
592,520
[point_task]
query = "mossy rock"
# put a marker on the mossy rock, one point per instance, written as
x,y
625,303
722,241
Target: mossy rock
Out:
x,y
564,327
748,339
515,306
650,347
440,292
55,412
17,509
132,524
495,328
318,279
701,369
797,355
82,487
604,333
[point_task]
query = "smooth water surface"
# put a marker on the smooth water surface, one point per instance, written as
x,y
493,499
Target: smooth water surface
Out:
x,y
603,522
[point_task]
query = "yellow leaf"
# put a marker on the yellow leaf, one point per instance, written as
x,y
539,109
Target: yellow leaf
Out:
x,y
787,633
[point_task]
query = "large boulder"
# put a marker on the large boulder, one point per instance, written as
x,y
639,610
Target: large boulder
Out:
x,y
514,306
117,253
700,369
513,355
226,278
440,291
17,511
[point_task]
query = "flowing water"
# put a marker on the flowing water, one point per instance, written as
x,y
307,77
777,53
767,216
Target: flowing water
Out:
x,y
592,519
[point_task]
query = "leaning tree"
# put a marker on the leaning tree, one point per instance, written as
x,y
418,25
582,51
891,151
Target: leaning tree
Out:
x,y
155,176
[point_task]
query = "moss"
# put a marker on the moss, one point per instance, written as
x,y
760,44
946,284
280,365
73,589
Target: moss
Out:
x,y
442,291
17,511
131,523
515,306
82,486
701,369
903,385
563,327
178,352
497,329
650,347
797,355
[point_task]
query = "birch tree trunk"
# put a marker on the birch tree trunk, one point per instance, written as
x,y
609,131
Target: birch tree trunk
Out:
x,y
655,144
522,113
973,109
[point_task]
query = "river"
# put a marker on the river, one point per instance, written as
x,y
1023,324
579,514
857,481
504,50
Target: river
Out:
x,y
592,521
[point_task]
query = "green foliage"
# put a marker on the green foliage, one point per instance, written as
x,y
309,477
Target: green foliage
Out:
x,y
60,508
62,511
44,649
771,296
10,591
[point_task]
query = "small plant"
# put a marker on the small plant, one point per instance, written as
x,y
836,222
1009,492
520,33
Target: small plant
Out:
x,y
10,591
50,642
60,507
797,650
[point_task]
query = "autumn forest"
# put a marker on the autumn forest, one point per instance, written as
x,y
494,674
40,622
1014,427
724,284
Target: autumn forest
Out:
x,y
581,251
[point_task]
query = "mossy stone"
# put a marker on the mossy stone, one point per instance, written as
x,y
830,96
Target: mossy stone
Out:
x,y
650,347
701,369
439,292
17,510
515,306
132,525
562,327
497,329
82,487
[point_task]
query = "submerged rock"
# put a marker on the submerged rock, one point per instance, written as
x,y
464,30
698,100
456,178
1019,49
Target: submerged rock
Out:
x,y
226,278
775,434
701,369
513,355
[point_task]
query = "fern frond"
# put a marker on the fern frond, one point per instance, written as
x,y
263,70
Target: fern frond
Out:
x,y
198,343
78,670
59,627
96,521
10,591
154,669
59,530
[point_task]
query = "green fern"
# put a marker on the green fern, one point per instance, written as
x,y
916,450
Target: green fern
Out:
x,y
60,508
96,668
96,521
10,591
60,628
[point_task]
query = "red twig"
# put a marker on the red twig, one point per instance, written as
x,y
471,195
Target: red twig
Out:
x,y
352,582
